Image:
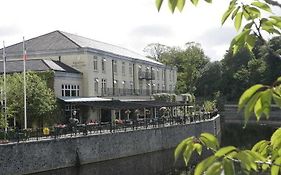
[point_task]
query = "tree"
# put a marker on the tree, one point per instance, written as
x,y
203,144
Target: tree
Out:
x,y
265,155
189,61
210,80
250,11
41,101
155,51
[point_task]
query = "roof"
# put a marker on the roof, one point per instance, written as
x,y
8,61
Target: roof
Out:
x,y
90,43
83,99
61,41
14,66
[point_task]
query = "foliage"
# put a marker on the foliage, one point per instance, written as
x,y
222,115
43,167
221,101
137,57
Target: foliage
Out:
x,y
258,98
189,61
209,106
210,80
188,98
165,97
263,157
252,12
155,51
41,101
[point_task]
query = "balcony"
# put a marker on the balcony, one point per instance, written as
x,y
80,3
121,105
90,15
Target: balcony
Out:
x,y
146,75
110,92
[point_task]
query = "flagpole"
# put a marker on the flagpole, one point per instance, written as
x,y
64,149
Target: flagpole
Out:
x,y
5,90
24,83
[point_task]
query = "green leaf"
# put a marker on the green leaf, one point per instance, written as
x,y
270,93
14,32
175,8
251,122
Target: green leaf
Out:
x,y
248,26
194,2
198,148
158,4
252,11
246,160
258,145
258,109
256,156
182,146
277,100
227,13
276,169
245,97
172,5
249,108
203,165
238,20
209,140
275,138
262,6
251,40
228,167
277,18
214,169
209,1
180,4
225,150
266,98
235,12
187,153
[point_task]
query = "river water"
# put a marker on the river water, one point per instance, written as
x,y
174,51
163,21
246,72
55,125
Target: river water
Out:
x,y
162,162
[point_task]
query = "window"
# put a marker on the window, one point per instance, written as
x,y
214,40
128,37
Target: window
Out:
x,y
158,87
73,90
95,63
140,68
163,75
68,90
170,75
131,87
124,87
115,66
157,72
103,86
115,85
123,68
103,65
140,87
96,85
131,69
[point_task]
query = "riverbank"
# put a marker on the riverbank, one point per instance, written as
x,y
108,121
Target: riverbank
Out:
x,y
43,155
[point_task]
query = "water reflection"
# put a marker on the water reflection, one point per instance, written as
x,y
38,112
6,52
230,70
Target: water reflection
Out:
x,y
161,162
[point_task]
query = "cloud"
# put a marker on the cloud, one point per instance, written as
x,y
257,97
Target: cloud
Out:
x,y
152,30
6,31
217,36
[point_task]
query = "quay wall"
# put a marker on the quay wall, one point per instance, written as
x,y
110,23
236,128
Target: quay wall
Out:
x,y
36,156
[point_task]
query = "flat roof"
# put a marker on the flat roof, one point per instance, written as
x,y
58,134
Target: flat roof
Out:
x,y
82,99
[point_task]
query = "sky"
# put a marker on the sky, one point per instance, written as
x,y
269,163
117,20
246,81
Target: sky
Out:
x,y
132,24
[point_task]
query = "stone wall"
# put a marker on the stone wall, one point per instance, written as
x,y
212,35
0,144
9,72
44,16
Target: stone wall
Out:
x,y
30,157
232,115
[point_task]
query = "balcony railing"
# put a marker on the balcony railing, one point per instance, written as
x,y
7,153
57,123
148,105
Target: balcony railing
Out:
x,y
146,75
130,92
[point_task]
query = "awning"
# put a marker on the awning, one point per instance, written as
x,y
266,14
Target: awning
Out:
x,y
159,103
82,99
104,103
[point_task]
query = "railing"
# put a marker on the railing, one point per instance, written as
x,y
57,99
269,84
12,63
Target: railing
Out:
x,y
74,130
146,75
130,92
